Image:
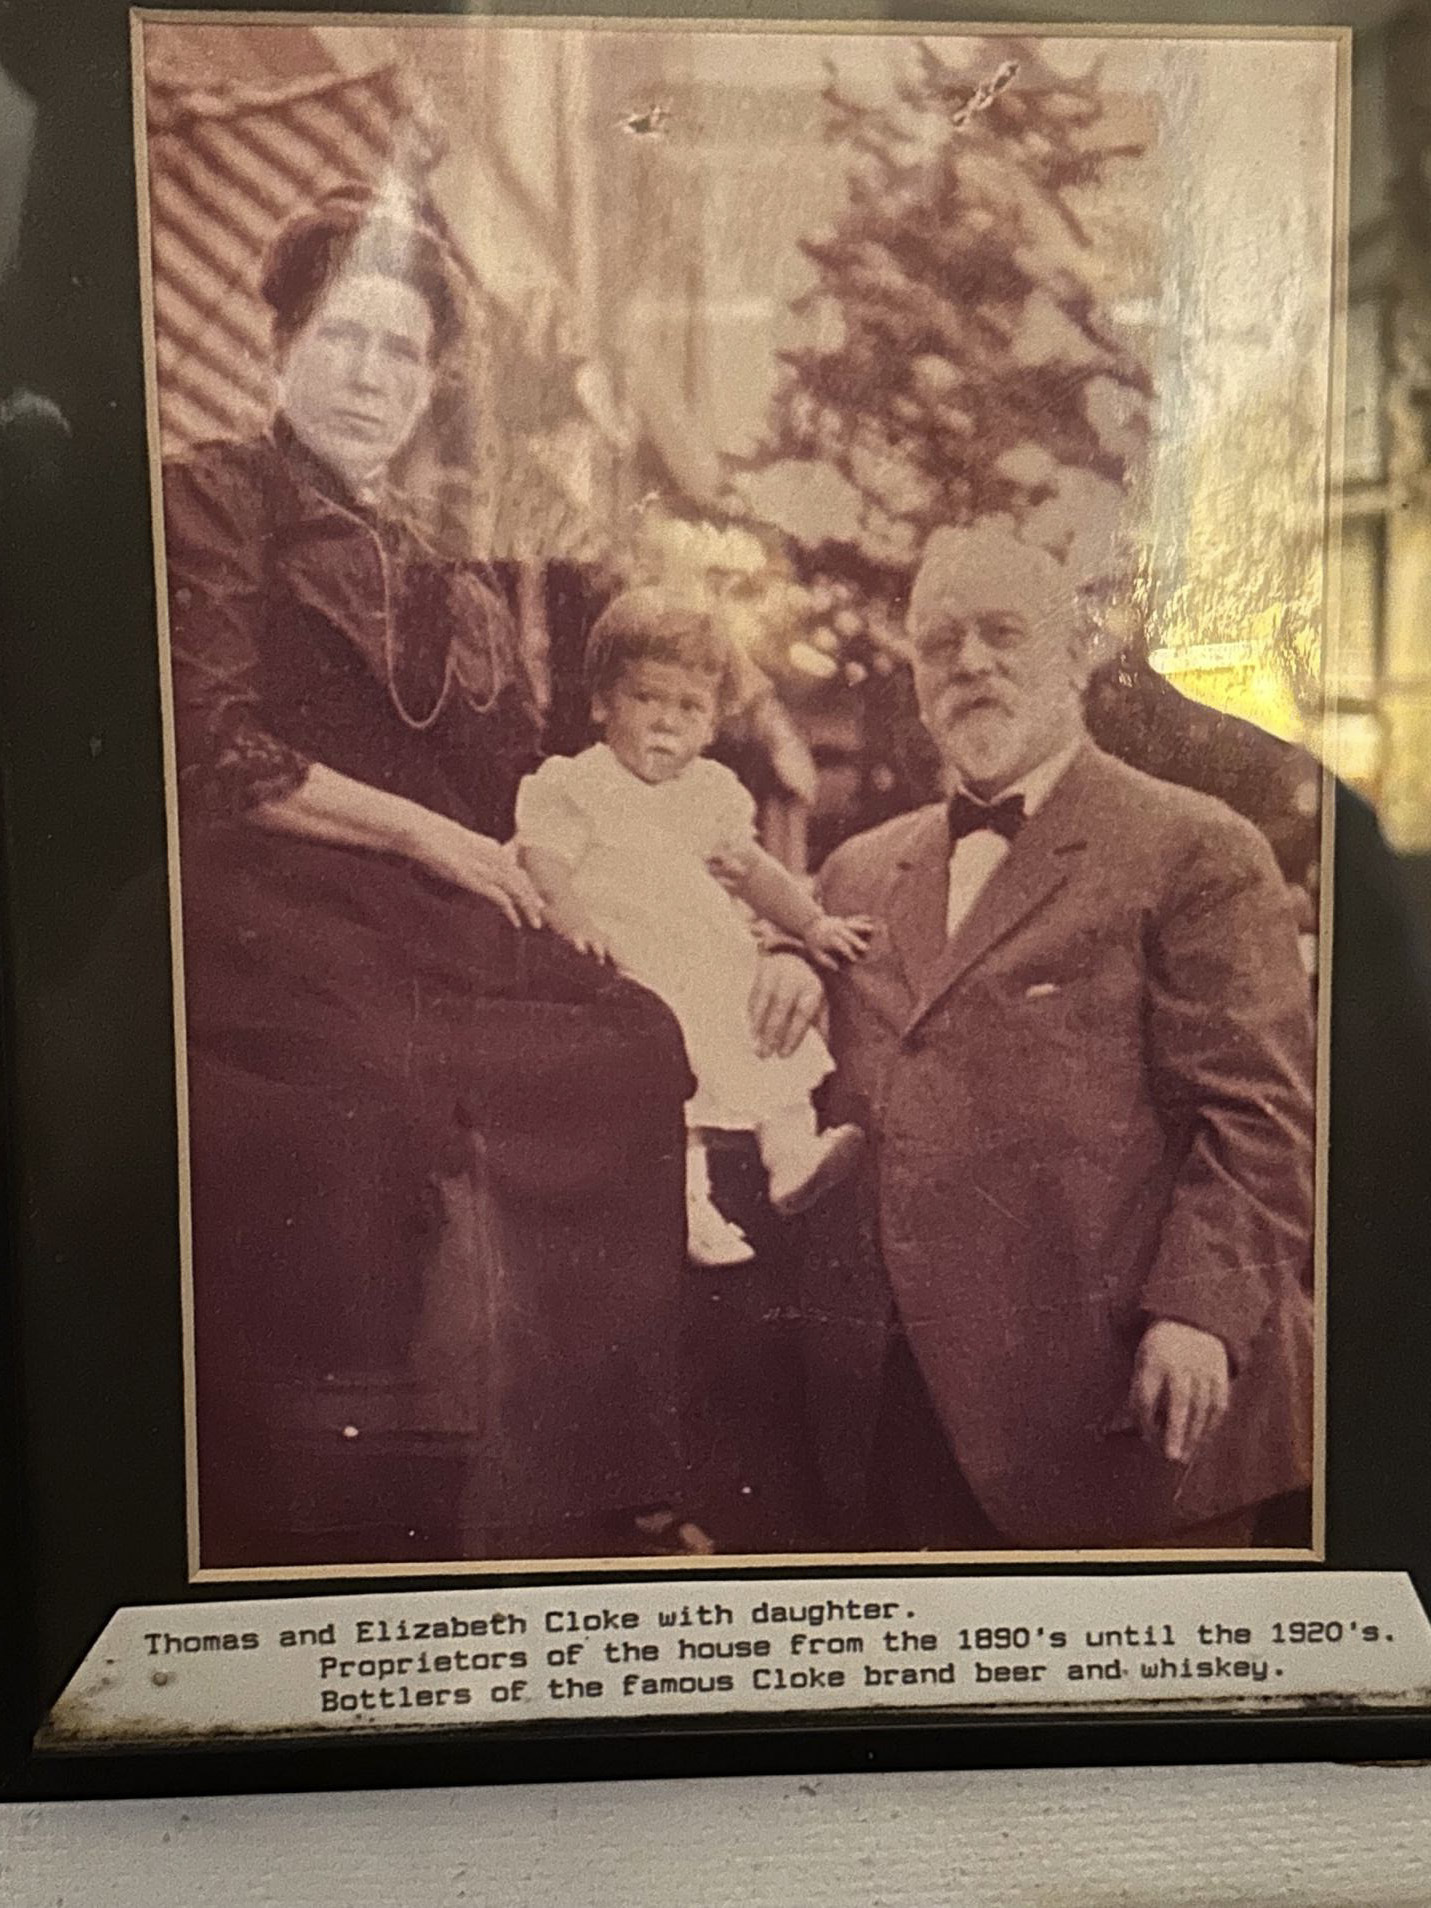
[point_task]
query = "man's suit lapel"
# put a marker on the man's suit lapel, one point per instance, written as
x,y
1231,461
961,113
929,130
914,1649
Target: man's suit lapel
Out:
x,y
1038,864
919,900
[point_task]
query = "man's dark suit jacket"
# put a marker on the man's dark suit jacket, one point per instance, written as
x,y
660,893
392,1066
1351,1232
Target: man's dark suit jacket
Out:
x,y
1091,1108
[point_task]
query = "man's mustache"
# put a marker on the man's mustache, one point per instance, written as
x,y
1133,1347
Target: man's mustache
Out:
x,y
958,706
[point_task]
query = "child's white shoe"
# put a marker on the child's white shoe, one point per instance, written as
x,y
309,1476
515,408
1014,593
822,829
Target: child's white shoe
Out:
x,y
712,1239
803,1173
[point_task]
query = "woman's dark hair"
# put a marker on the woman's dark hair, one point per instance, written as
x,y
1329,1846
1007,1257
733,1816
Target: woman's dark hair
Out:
x,y
651,625
357,229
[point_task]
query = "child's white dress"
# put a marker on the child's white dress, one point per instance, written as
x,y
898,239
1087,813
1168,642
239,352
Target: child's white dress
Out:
x,y
638,852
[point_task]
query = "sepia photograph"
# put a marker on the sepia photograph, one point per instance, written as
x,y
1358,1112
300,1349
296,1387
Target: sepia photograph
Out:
x,y
746,615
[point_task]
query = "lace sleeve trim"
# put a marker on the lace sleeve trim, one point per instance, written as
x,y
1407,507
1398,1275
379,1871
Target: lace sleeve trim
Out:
x,y
242,771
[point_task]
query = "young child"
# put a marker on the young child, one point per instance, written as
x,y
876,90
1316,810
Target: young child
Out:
x,y
644,852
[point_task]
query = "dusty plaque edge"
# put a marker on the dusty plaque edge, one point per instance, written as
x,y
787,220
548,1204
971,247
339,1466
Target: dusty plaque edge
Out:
x,y
65,1730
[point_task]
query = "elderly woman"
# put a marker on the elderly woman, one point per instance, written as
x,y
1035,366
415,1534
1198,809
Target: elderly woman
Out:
x,y
373,1008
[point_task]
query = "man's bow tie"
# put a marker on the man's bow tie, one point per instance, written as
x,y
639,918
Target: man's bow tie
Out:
x,y
967,815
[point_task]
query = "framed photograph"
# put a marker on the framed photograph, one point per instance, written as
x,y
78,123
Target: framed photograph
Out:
x,y
677,1045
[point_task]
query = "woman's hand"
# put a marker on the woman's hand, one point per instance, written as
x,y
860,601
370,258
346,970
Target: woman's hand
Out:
x,y
477,864
785,1002
336,809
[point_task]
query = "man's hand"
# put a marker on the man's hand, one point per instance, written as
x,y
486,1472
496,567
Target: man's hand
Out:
x,y
785,1002
1181,1385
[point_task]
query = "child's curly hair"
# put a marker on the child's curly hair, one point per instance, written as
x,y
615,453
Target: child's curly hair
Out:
x,y
653,625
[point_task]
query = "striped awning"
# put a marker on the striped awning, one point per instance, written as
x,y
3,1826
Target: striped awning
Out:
x,y
228,166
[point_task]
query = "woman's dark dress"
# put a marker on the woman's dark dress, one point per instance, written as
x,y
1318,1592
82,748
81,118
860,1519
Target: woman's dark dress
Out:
x,y
387,1368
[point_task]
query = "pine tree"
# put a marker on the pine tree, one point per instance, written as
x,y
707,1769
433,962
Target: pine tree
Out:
x,y
958,358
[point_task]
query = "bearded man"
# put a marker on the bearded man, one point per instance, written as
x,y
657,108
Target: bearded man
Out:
x,y
1082,1044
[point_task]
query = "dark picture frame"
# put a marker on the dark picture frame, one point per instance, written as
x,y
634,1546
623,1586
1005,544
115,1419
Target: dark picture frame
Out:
x,y
95,1476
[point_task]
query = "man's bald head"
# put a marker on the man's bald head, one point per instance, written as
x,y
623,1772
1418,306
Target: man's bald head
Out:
x,y
983,568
